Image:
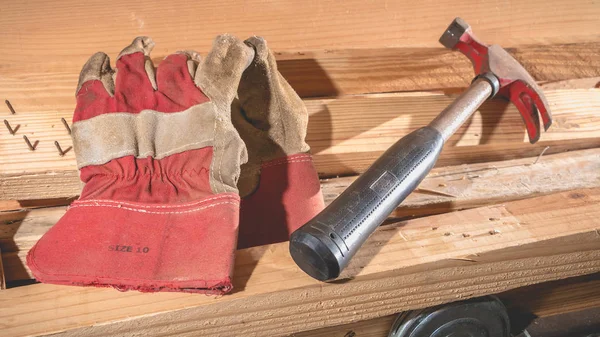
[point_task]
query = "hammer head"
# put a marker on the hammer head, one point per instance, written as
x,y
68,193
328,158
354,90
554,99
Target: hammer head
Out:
x,y
516,84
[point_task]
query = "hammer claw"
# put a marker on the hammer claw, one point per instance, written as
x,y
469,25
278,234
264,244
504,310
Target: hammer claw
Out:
x,y
541,104
522,97
515,83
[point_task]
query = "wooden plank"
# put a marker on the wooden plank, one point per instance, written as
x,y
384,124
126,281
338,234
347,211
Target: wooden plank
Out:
x,y
307,26
345,141
19,230
376,327
540,300
346,135
578,83
453,188
445,189
15,267
555,298
2,279
353,71
403,266
11,205
360,71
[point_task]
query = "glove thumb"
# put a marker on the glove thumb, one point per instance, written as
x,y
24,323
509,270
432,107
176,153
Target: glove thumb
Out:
x,y
220,71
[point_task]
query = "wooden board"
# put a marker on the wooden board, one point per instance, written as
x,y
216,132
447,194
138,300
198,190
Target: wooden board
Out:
x,y
358,71
555,298
578,83
15,266
540,300
444,190
2,279
352,71
50,37
376,327
453,188
403,266
346,135
10,205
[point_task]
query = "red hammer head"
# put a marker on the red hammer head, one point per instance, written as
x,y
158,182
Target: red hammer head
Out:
x,y
515,83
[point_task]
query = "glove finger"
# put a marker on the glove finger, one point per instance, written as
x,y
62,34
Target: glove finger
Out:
x,y
193,60
220,71
135,78
270,104
95,87
174,77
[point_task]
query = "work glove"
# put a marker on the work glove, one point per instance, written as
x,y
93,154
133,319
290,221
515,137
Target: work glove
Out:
x,y
279,184
160,160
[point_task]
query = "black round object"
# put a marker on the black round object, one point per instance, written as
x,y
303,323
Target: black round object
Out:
x,y
479,317
313,256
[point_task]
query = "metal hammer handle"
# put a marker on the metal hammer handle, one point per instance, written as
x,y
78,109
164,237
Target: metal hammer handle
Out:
x,y
323,247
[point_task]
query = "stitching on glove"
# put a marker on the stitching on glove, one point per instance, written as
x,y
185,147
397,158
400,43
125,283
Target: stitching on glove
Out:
x,y
150,212
286,162
290,159
96,201
164,174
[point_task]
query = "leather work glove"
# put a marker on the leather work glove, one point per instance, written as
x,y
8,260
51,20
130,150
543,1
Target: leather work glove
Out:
x,y
279,185
160,160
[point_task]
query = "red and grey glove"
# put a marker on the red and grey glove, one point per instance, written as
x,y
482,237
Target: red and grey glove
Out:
x,y
279,185
160,160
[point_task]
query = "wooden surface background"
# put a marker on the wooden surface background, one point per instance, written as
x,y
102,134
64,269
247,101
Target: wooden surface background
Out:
x,y
369,73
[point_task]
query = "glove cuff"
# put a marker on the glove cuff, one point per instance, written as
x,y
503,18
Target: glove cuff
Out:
x,y
145,247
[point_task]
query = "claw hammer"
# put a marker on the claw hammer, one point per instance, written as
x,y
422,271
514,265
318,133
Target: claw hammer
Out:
x,y
323,247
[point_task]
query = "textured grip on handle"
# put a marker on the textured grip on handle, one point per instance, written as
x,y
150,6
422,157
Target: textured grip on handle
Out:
x,y
324,246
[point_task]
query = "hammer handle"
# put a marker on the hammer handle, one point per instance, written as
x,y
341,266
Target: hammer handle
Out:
x,y
324,246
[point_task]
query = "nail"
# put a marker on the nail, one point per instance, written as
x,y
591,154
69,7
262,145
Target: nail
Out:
x,y
12,110
10,129
60,151
31,147
66,125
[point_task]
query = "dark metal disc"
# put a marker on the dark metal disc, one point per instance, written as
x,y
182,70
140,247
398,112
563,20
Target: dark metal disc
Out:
x,y
478,317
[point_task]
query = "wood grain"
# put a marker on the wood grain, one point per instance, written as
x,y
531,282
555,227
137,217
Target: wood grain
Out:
x,y
453,188
346,135
49,36
354,71
376,327
325,48
540,300
358,71
11,205
555,298
578,83
403,266
445,189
